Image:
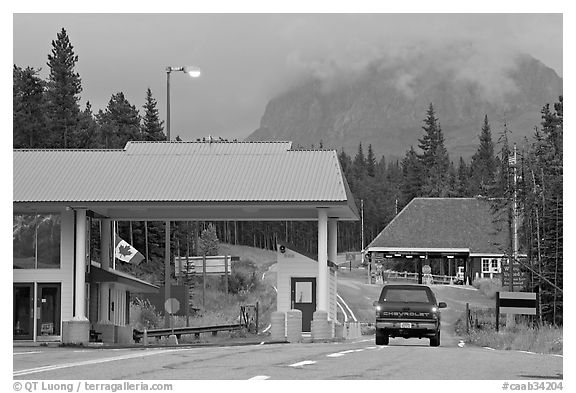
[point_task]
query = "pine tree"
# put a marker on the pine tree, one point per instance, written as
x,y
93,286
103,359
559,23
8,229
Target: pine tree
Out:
x,y
411,186
64,86
119,124
543,206
463,179
152,127
28,107
359,164
434,158
87,135
483,166
208,241
370,162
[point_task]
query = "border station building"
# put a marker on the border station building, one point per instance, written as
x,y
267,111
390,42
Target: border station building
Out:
x,y
453,232
62,289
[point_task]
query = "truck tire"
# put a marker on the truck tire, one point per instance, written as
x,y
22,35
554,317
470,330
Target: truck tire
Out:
x,y
435,341
381,337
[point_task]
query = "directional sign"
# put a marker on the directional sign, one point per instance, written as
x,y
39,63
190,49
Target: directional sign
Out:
x,y
518,276
350,257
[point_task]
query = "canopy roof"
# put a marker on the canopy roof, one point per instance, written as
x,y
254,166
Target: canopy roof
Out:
x,y
185,180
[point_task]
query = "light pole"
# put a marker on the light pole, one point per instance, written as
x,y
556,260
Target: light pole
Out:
x,y
194,72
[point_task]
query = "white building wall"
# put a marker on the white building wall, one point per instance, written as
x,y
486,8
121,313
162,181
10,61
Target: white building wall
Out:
x,y
63,275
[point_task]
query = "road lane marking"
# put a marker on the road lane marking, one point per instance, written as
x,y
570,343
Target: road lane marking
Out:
x,y
259,378
26,353
349,310
491,349
343,312
555,354
531,353
302,363
335,355
94,361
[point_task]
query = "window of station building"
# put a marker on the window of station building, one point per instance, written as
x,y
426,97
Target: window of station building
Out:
x,y
36,241
491,265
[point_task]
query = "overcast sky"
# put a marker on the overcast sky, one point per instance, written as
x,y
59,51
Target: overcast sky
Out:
x,y
247,59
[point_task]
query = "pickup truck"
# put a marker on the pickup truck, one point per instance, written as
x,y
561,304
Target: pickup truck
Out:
x,y
407,310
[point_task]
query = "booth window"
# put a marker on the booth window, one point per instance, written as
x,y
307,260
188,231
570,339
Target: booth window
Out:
x,y
36,241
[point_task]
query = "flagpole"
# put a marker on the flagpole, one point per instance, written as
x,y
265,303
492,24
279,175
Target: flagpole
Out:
x,y
115,228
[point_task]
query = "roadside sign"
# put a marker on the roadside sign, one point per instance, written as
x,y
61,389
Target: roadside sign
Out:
x,y
350,257
426,269
518,276
378,256
515,303
172,305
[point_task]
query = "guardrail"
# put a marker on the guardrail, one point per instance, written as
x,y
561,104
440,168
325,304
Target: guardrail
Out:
x,y
426,278
178,331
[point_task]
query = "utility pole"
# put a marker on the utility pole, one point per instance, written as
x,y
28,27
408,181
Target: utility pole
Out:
x,y
362,238
514,226
510,318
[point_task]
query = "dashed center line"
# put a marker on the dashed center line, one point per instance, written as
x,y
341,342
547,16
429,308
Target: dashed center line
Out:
x,y
26,353
302,363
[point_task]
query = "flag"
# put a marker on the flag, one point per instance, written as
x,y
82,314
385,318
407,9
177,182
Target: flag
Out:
x,y
126,253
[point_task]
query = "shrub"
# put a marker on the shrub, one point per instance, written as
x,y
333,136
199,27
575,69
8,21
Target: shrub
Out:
x,y
488,286
144,315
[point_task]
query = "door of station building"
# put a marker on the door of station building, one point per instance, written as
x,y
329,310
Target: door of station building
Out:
x,y
23,309
48,310
303,298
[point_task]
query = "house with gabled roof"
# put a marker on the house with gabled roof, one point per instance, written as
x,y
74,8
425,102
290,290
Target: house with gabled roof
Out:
x,y
63,288
453,232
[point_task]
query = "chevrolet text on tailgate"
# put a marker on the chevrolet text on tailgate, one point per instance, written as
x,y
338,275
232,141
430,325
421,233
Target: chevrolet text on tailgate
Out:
x,y
407,311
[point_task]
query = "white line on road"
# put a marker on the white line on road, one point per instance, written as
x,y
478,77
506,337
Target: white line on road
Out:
x,y
259,378
531,353
491,349
343,312
348,308
302,363
335,355
94,361
26,353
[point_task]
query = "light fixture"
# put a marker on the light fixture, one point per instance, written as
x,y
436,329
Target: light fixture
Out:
x,y
193,71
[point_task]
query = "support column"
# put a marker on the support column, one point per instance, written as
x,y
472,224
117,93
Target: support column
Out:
x,y
80,277
332,252
77,330
322,260
105,251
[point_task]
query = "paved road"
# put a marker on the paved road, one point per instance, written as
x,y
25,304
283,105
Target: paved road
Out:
x,y
358,359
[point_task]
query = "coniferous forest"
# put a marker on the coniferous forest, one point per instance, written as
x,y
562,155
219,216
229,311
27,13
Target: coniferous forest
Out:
x,y
47,114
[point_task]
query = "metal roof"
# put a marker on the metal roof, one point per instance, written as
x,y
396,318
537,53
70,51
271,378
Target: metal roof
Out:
x,y
444,224
215,147
246,172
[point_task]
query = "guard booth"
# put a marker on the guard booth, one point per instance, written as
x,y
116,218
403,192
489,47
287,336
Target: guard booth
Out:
x,y
297,281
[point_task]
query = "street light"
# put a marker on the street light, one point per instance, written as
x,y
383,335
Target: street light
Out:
x,y
193,72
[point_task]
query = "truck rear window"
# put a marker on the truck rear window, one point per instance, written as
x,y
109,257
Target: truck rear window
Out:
x,y
416,295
